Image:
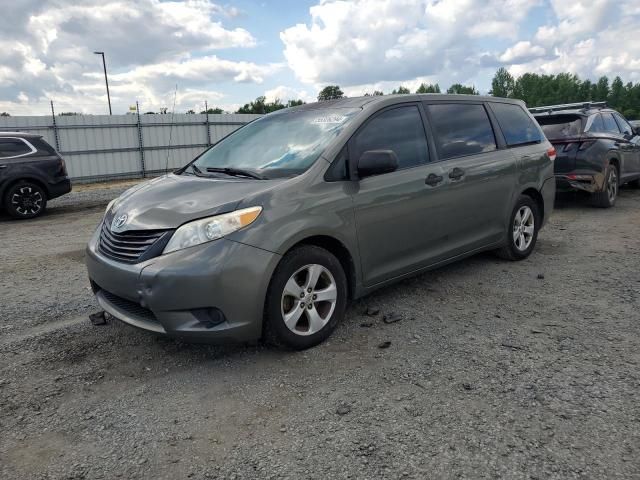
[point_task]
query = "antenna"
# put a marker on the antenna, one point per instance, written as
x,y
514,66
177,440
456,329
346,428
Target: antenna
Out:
x,y
175,94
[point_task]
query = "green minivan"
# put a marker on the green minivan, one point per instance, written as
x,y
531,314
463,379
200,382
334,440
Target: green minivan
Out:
x,y
271,231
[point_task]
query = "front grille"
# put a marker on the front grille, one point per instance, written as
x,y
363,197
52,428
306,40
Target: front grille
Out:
x,y
132,308
134,246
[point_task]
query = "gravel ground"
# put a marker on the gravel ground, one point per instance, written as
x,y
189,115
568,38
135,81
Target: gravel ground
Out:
x,y
496,369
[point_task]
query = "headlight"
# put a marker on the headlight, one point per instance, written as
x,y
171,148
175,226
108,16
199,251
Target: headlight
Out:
x,y
212,228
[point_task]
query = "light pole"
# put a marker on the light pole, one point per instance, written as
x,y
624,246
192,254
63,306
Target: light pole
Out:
x,y
106,82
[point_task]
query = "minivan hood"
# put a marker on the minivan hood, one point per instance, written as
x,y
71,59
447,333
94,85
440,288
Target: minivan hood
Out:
x,y
169,201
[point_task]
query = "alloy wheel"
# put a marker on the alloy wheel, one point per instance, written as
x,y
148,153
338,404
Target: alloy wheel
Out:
x,y
27,200
612,185
523,228
309,299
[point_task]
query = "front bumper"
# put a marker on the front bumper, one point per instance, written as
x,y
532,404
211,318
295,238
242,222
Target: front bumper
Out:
x,y
587,182
212,293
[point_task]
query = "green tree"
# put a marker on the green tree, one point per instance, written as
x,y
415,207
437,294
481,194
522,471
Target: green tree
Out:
x,y
376,93
616,97
330,92
210,111
502,84
4,114
601,90
462,89
424,88
261,106
190,112
67,114
401,91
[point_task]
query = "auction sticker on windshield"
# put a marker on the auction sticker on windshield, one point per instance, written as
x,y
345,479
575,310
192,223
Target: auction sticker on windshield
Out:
x,y
329,119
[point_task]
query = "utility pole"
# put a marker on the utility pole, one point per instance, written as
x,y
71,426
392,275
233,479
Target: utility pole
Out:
x,y
106,82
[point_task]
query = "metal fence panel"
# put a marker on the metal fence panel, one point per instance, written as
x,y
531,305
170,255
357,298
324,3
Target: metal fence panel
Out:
x,y
101,147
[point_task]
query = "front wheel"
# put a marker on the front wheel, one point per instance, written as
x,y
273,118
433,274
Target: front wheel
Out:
x,y
307,298
522,232
25,200
607,197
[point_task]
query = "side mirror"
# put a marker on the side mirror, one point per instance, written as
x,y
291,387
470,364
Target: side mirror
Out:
x,y
376,162
636,130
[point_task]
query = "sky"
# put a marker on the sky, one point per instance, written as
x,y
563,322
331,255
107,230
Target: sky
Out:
x,y
230,52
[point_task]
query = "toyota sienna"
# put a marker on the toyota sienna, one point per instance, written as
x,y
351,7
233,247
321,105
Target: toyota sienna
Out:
x,y
272,230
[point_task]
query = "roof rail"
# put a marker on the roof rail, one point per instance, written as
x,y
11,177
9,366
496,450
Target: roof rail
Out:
x,y
568,106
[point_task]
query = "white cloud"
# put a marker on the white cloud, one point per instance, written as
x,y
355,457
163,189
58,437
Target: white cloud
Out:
x,y
284,94
522,52
588,38
364,41
46,51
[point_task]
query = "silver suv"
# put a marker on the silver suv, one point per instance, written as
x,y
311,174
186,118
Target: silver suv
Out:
x,y
273,229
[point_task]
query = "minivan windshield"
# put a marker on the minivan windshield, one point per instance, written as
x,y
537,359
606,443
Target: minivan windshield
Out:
x,y
560,126
283,144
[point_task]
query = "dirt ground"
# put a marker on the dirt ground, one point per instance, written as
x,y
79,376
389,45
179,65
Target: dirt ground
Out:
x,y
513,370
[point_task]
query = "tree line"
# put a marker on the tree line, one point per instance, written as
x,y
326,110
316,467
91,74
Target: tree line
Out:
x,y
538,90
535,89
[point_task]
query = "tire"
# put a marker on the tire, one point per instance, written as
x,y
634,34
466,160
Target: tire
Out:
x,y
522,230
607,197
293,289
25,200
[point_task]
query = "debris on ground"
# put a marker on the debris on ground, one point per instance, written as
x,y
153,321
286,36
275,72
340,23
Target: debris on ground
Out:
x,y
392,317
98,318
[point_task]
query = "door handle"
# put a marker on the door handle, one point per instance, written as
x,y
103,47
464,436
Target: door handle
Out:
x,y
433,179
456,173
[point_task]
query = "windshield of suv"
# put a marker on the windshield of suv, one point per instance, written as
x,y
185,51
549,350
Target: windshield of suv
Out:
x,y
278,145
560,126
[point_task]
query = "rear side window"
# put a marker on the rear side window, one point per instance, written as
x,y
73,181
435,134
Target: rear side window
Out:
x,y
595,124
516,125
560,126
399,129
13,147
461,129
610,125
623,124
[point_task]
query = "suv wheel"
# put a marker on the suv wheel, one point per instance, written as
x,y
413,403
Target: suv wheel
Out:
x,y
522,232
25,200
307,298
607,197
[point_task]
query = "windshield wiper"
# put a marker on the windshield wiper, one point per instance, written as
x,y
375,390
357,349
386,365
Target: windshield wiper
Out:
x,y
196,171
236,172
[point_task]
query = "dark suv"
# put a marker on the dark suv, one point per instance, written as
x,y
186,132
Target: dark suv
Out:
x,y
597,149
31,172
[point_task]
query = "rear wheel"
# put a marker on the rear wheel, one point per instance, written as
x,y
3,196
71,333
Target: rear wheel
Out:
x,y
607,197
522,232
306,299
25,200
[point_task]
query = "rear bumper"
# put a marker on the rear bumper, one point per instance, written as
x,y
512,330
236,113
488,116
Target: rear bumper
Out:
x,y
548,192
59,188
211,293
587,182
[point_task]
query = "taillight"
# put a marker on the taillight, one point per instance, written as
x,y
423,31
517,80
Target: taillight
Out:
x,y
551,153
63,167
585,145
